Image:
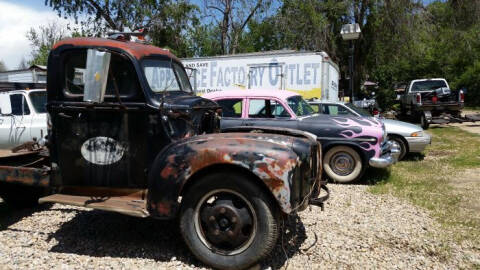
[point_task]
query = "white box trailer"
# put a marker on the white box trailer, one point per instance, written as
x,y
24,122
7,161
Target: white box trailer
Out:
x,y
312,74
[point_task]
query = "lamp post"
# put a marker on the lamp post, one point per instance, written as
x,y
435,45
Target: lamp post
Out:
x,y
351,32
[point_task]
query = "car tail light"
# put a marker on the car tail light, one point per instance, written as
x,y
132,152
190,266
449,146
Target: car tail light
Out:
x,y
462,96
434,99
419,99
375,112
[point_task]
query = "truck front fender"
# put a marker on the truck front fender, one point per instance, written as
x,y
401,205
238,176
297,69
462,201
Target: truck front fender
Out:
x,y
269,157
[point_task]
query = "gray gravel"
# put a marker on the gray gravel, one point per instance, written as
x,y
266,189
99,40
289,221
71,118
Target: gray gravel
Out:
x,y
357,230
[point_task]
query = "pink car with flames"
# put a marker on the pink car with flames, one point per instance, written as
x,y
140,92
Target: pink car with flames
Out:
x,y
350,144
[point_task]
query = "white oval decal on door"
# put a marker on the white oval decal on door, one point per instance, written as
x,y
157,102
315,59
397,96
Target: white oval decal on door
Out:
x,y
102,150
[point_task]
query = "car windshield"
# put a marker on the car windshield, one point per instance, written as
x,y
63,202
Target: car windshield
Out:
x,y
428,85
299,106
165,75
39,101
358,110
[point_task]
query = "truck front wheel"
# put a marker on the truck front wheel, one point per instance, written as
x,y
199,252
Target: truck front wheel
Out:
x,y
228,222
20,196
343,164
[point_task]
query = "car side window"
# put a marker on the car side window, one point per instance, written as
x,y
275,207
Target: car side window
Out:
x,y
266,108
19,104
315,107
335,110
231,107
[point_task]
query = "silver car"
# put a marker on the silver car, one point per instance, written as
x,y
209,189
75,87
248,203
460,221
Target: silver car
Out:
x,y
409,137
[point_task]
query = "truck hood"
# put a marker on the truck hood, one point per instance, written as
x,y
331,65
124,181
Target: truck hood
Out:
x,y
186,101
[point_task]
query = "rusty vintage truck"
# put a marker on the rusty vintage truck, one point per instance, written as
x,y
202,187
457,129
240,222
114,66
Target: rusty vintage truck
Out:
x,y
126,134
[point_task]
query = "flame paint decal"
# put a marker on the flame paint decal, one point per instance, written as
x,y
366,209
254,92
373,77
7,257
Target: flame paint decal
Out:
x,y
361,128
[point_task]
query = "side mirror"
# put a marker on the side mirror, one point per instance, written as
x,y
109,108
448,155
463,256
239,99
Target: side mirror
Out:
x,y
96,75
5,105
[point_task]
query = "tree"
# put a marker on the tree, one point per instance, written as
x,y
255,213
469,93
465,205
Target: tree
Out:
x,y
169,22
232,17
42,40
23,64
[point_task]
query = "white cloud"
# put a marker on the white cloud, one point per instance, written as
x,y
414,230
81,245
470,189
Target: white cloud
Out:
x,y
15,21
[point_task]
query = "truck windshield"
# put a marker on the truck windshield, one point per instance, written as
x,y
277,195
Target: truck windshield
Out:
x,y
165,76
299,106
39,101
358,110
428,85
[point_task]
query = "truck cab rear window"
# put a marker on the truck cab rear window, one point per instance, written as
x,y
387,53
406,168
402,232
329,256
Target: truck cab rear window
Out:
x,y
121,71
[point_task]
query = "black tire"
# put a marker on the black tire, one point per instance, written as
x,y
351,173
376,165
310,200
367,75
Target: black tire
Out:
x,y
423,121
343,164
21,196
246,196
401,144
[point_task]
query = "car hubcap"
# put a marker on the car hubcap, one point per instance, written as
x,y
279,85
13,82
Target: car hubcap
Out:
x,y
342,163
225,222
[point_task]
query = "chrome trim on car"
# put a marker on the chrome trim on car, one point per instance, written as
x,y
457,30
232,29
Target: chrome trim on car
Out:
x,y
348,139
390,154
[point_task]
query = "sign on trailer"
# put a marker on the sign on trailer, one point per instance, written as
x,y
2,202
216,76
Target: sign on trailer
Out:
x,y
312,74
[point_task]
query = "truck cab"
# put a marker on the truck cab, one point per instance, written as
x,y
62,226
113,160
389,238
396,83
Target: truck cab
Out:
x,y
126,134
23,117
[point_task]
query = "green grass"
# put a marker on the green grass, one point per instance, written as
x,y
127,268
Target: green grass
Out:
x,y
474,108
435,182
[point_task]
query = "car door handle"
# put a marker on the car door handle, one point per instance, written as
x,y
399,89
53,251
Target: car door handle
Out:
x,y
248,124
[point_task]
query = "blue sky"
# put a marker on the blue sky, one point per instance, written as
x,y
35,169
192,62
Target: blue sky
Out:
x,y
18,16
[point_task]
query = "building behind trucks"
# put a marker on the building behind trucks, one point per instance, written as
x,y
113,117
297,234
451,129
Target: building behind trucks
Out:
x,y
312,74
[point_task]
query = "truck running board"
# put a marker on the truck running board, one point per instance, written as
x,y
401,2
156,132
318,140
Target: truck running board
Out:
x,y
124,205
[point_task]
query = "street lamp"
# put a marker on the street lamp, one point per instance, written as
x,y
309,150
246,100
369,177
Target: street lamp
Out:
x,y
351,32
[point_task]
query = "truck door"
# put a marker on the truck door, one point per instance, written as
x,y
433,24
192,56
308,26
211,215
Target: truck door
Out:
x,y
38,109
99,143
15,126
266,76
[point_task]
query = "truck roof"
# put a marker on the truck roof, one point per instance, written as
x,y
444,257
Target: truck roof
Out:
x,y
430,79
281,94
135,49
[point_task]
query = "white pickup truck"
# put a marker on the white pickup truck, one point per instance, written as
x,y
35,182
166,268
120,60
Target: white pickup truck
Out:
x,y
23,117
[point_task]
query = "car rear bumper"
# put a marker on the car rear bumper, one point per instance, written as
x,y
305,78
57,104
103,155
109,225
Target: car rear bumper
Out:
x,y
418,144
390,154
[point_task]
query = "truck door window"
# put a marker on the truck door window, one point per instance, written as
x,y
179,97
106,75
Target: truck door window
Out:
x,y
19,104
231,107
39,101
121,70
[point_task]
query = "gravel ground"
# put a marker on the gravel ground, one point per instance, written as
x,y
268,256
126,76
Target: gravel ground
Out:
x,y
357,230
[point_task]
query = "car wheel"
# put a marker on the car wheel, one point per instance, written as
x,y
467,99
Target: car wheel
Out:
x,y
343,164
401,144
423,121
228,222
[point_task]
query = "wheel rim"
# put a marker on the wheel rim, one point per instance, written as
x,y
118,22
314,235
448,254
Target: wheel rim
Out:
x,y
401,146
342,163
225,222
